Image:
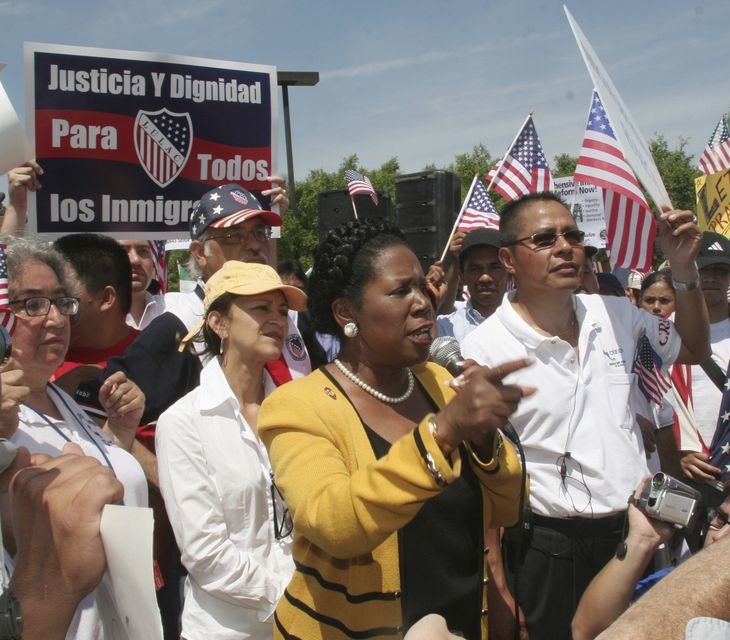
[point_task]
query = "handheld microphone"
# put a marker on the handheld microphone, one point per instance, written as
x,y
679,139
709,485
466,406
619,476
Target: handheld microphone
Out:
x,y
446,351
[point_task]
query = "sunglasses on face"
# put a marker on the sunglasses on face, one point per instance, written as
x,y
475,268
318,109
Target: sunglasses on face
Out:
x,y
546,239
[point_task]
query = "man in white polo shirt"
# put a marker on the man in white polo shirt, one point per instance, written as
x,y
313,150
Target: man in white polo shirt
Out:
x,y
584,451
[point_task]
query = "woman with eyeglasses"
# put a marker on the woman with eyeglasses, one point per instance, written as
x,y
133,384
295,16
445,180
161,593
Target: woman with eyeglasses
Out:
x,y
41,297
230,522
392,478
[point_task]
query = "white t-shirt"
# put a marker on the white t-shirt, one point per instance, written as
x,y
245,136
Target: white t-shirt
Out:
x,y
706,397
584,450
43,434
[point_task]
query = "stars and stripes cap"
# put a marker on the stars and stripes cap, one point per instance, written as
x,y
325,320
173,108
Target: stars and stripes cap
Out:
x,y
227,206
715,249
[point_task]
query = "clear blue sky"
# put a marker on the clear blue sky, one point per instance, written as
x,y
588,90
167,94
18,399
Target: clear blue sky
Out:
x,y
424,80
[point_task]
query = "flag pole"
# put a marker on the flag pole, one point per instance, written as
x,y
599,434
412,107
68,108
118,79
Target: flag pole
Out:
x,y
509,150
354,208
459,217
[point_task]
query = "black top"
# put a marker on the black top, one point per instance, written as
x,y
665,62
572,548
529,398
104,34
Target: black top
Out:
x,y
154,363
442,549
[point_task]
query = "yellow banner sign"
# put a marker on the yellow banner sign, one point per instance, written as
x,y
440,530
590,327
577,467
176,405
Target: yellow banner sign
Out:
x,y
713,202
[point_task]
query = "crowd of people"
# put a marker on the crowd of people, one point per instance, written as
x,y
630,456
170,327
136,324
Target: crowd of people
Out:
x,y
314,474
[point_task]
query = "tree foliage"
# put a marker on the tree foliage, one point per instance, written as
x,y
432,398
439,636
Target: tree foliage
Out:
x,y
564,165
300,230
677,170
299,233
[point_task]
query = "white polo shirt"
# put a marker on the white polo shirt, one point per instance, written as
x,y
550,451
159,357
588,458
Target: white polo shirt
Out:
x,y
580,420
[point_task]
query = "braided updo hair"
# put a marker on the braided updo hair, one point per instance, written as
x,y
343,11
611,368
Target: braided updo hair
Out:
x,y
343,263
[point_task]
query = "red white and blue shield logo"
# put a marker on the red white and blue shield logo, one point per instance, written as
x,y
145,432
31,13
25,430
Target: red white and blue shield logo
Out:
x,y
163,140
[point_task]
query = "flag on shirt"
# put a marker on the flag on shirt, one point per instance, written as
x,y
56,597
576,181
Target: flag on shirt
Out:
x,y
158,253
720,449
7,317
524,168
648,367
629,223
716,156
479,211
358,183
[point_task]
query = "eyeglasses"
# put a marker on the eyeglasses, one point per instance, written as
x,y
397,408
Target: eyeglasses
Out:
x,y
41,306
717,519
546,239
283,524
260,234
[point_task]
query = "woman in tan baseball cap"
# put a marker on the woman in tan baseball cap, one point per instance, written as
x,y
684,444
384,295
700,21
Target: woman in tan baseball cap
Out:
x,y
232,527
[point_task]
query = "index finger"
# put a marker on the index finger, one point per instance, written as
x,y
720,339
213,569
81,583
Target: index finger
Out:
x,y
496,374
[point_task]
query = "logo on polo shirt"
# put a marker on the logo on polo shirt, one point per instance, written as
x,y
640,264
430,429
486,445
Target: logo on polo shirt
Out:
x,y
295,347
615,357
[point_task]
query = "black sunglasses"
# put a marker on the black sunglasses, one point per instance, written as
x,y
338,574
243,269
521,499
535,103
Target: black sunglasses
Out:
x,y
546,239
283,524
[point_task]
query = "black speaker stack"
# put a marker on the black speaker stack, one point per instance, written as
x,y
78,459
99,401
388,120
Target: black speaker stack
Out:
x,y
427,205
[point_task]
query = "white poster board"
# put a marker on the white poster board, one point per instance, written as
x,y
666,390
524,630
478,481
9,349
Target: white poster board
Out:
x,y
586,205
635,148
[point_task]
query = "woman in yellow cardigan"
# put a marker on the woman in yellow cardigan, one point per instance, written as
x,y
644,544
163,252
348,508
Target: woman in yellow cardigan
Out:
x,y
391,477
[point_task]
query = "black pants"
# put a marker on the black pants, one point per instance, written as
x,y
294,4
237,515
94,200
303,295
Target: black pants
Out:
x,y
559,559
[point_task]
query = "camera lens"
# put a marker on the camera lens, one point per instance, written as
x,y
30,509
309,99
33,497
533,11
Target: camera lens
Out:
x,y
658,480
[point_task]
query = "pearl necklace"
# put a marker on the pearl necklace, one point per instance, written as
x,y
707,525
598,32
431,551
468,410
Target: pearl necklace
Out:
x,y
374,392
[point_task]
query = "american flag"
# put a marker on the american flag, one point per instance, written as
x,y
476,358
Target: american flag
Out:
x,y
720,449
358,183
479,211
158,253
629,222
648,367
7,317
716,156
524,169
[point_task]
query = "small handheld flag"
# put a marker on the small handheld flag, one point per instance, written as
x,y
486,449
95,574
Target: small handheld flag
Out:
x,y
358,183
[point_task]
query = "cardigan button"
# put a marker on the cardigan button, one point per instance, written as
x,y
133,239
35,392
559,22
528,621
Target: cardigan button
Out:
x,y
486,549
485,580
396,594
485,612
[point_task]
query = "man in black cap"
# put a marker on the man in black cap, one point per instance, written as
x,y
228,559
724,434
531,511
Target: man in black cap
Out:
x,y
485,279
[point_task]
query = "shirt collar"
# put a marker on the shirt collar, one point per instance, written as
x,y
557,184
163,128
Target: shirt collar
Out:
x,y
526,334
218,391
472,313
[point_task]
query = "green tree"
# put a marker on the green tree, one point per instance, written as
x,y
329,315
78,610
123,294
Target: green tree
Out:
x,y
677,170
299,234
466,165
564,165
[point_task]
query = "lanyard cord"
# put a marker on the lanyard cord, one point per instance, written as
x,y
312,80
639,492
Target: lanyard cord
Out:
x,y
78,421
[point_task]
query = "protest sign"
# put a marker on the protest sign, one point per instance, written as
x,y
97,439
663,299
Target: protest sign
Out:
x,y
15,147
129,141
713,202
635,149
586,205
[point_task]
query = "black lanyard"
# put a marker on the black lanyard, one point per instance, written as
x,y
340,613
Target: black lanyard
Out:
x,y
80,422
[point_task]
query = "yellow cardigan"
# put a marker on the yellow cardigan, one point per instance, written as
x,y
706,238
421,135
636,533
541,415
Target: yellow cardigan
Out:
x,y
347,506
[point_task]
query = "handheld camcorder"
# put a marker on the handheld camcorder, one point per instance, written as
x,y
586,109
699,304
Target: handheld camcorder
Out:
x,y
669,500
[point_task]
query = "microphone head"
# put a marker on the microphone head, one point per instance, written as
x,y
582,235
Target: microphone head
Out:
x,y
445,350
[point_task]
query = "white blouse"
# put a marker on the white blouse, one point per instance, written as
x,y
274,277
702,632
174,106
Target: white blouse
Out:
x,y
215,478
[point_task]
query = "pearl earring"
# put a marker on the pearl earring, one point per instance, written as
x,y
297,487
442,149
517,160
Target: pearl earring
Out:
x,y
350,330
